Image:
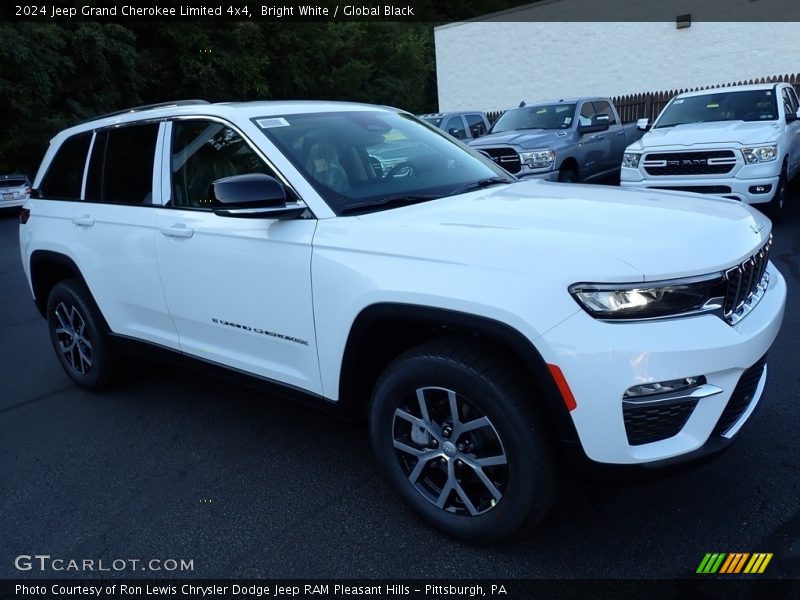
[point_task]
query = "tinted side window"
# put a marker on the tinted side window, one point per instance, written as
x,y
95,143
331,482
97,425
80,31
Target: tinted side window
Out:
x,y
603,107
455,127
202,152
587,112
789,101
128,170
64,176
477,127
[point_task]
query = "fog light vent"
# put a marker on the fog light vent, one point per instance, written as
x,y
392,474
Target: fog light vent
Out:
x,y
663,387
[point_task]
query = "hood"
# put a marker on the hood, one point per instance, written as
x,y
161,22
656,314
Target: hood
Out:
x,y
531,139
570,233
720,132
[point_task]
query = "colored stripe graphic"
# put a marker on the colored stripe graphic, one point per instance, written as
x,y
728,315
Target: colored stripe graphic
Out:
x,y
711,562
758,563
734,562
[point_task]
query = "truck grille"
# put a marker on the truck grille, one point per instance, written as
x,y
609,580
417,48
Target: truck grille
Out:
x,y
710,162
648,424
741,398
745,282
504,157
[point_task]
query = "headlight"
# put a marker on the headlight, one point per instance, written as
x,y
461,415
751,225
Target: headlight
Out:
x,y
761,154
631,160
538,159
651,300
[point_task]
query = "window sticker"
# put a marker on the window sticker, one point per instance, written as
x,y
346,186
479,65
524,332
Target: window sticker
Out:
x,y
679,101
712,105
274,122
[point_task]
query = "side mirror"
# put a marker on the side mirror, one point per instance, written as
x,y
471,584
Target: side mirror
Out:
x,y
792,117
643,124
253,195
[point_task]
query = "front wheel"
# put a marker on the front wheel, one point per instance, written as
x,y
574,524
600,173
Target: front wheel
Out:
x,y
458,437
567,175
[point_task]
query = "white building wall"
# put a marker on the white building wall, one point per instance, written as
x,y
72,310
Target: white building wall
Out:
x,y
494,65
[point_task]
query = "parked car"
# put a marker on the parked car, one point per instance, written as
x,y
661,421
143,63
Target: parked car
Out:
x,y
467,125
14,190
486,327
570,140
741,142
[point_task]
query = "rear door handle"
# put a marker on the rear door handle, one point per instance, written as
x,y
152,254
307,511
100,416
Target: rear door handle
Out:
x,y
83,221
178,231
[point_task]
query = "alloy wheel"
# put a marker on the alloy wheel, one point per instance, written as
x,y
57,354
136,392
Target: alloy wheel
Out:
x,y
450,451
73,341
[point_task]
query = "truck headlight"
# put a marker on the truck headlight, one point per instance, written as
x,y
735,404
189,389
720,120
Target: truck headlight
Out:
x,y
631,160
761,154
538,159
651,300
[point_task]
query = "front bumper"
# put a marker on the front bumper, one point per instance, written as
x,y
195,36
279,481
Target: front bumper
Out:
x,y
737,188
546,176
601,360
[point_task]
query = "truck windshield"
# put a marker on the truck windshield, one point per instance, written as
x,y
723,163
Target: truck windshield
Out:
x,y
750,105
377,159
551,116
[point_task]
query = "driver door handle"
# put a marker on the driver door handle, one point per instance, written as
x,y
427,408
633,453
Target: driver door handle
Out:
x,y
83,221
178,231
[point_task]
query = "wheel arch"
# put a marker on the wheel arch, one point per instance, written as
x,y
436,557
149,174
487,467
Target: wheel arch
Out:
x,y
47,268
381,332
570,163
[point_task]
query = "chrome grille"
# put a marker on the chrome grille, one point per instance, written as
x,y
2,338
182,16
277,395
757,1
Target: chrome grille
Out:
x,y
710,162
746,284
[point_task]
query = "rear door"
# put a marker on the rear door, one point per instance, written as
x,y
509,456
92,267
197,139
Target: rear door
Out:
x,y
238,289
101,213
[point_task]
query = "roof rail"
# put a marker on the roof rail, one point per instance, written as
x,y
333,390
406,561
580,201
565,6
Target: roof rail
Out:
x,y
146,107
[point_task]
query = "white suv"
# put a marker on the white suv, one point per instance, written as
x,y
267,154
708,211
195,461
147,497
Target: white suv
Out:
x,y
356,256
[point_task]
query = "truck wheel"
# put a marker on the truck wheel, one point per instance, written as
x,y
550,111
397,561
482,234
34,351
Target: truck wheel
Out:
x,y
775,206
456,433
567,175
78,334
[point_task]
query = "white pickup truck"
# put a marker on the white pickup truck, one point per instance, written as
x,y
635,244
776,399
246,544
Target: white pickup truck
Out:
x,y
741,142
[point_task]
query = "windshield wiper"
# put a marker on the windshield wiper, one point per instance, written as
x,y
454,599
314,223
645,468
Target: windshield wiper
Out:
x,y
390,202
480,184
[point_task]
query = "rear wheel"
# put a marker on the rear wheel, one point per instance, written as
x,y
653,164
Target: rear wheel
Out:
x,y
460,442
79,337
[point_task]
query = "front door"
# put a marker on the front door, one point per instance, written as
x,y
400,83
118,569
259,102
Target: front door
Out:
x,y
238,289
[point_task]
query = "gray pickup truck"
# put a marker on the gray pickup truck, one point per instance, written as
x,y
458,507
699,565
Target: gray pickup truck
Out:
x,y
570,140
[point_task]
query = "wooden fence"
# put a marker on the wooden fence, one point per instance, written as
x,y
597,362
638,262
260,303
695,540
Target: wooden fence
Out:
x,y
648,104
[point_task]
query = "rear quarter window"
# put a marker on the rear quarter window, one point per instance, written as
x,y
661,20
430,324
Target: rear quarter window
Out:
x,y
64,176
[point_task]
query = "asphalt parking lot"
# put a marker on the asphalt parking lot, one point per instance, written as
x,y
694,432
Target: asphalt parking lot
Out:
x,y
176,464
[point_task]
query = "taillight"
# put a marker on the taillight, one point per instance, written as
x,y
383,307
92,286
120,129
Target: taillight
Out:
x,y
24,215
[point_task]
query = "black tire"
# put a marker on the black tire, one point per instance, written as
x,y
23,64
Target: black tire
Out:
x,y
79,336
486,392
776,205
567,175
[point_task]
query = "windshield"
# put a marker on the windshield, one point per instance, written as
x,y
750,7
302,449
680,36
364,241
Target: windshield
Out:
x,y
552,116
369,157
751,105
6,183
